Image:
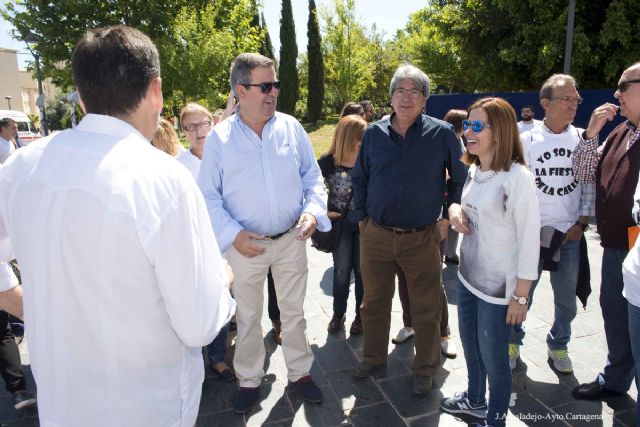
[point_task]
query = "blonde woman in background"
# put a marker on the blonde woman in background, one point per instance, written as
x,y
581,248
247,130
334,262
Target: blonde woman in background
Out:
x,y
166,139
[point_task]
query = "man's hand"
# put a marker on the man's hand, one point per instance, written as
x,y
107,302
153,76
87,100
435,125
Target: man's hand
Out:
x,y
574,233
601,115
443,228
244,244
334,215
458,219
11,301
306,226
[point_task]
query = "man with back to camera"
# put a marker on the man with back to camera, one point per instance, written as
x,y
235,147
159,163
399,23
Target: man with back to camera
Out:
x,y
125,282
265,195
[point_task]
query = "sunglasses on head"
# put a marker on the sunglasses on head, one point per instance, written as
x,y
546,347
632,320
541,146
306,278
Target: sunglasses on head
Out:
x,y
623,86
476,125
265,87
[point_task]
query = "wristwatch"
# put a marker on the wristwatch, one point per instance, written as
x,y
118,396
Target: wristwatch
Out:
x,y
521,300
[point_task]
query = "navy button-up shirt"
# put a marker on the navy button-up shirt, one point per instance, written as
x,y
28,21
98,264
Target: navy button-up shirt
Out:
x,y
400,182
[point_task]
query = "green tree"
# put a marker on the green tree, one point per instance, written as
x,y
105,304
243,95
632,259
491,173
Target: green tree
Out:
x,y
196,39
492,45
315,78
266,48
349,61
288,72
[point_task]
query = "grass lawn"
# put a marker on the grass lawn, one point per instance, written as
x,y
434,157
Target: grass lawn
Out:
x,y
321,134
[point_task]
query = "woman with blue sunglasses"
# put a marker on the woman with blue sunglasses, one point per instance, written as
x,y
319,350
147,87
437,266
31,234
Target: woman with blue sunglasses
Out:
x,y
500,222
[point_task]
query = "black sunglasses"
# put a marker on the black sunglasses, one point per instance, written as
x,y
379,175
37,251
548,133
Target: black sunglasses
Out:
x,y
623,86
265,87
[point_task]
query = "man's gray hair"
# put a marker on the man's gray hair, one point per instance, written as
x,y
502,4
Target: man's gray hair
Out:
x,y
546,91
242,66
409,72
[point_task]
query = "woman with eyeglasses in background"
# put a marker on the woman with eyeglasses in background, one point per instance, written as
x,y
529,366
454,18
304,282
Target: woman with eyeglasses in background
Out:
x,y
500,222
197,121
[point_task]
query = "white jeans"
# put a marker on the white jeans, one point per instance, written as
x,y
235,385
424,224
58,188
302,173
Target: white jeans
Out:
x,y
287,258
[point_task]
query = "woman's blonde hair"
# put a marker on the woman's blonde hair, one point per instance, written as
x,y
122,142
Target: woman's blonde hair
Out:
x,y
193,107
506,141
166,139
348,131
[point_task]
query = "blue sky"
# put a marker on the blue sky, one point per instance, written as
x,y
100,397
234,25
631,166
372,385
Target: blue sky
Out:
x,y
388,15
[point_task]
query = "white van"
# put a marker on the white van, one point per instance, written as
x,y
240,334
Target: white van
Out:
x,y
26,130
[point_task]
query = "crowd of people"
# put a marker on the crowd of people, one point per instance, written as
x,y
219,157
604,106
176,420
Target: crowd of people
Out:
x,y
135,256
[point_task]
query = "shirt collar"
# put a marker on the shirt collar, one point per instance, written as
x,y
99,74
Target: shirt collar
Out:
x,y
418,123
630,125
109,125
546,129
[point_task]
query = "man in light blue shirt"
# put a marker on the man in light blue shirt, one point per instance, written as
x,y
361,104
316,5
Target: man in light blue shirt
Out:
x,y
266,196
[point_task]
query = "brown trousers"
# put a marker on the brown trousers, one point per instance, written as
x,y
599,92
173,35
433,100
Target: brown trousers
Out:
x,y
403,292
382,253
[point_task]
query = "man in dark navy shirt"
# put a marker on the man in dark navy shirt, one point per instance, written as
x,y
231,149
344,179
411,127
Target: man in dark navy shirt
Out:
x,y
399,193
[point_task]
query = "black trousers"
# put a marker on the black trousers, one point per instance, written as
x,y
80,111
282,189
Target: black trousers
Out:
x,y
10,367
274,310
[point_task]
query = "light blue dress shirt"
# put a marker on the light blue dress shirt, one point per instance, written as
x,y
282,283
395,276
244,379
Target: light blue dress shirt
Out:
x,y
260,185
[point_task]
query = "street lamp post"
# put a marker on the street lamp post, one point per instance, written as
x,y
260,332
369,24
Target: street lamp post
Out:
x,y
29,38
8,98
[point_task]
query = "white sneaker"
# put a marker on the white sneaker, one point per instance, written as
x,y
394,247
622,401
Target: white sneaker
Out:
x,y
448,347
561,360
403,335
514,354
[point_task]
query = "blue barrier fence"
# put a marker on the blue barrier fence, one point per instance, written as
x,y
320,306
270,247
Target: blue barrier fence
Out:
x,y
438,105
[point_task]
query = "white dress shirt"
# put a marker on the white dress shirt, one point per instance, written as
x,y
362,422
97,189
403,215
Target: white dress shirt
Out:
x,y
122,274
267,182
6,148
8,279
190,162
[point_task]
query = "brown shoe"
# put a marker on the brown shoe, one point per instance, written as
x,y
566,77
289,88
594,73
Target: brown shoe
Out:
x,y
336,323
356,327
277,331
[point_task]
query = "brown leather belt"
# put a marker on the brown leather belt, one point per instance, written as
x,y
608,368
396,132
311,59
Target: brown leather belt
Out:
x,y
397,230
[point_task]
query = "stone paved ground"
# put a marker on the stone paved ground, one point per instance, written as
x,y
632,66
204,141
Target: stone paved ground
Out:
x,y
541,397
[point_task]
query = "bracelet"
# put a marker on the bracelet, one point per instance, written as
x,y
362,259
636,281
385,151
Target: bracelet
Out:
x,y
584,227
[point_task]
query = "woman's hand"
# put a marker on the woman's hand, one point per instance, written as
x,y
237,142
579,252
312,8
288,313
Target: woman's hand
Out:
x,y
334,215
516,312
458,219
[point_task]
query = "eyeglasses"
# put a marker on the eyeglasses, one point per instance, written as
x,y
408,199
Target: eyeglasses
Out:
x,y
476,125
265,87
568,99
411,92
193,126
623,86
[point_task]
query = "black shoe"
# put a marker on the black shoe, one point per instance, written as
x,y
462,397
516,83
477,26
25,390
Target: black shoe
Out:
x,y
453,260
593,391
336,323
225,375
22,399
244,398
365,369
308,389
422,384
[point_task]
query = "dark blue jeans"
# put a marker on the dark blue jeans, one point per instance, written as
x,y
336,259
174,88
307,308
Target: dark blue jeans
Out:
x,y
218,346
620,367
634,325
346,258
485,339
